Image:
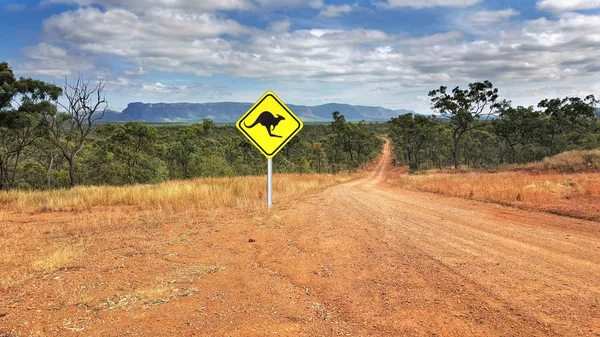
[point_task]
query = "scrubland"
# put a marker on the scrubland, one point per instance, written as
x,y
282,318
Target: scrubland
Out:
x,y
47,231
567,184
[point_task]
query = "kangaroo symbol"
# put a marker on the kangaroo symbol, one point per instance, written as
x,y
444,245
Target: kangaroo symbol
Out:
x,y
267,120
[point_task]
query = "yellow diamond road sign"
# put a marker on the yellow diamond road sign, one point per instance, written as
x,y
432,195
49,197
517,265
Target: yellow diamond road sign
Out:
x,y
269,124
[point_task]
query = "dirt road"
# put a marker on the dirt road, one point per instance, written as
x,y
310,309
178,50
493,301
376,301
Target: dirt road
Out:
x,y
359,259
387,262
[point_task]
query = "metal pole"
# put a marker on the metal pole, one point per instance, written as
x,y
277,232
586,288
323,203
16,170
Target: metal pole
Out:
x,y
270,182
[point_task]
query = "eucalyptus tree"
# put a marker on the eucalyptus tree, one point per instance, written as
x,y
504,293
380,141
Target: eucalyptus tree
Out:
x,y
517,126
466,109
23,104
567,120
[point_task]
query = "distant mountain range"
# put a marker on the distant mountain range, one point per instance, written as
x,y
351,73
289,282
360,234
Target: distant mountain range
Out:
x,y
229,112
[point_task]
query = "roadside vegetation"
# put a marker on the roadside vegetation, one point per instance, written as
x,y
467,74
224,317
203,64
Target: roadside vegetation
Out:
x,y
202,194
478,130
567,162
51,137
544,158
574,195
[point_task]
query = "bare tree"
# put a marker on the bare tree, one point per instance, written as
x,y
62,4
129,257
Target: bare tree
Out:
x,y
84,105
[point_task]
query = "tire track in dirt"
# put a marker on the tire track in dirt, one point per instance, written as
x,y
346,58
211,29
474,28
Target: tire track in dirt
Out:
x,y
409,263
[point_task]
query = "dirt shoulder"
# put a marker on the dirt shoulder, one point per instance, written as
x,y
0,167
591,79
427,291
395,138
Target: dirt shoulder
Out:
x,y
360,258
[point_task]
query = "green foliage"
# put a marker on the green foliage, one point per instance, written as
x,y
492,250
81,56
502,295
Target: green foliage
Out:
x,y
412,135
518,135
23,105
464,108
133,151
518,127
350,145
567,120
33,175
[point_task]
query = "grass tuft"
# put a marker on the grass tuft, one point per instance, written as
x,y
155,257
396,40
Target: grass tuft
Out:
x,y
61,258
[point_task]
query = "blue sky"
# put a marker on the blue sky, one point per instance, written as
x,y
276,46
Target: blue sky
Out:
x,y
371,52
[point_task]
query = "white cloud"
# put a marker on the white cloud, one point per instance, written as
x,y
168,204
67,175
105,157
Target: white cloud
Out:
x,y
206,44
427,3
487,17
167,91
333,10
559,6
92,26
289,3
139,71
48,60
281,26
140,6
143,5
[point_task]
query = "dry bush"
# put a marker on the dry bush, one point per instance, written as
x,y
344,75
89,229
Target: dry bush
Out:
x,y
569,162
204,194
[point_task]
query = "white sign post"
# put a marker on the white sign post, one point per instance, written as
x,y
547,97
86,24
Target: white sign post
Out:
x,y
270,182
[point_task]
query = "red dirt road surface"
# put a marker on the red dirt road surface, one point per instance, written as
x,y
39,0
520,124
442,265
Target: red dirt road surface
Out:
x,y
358,259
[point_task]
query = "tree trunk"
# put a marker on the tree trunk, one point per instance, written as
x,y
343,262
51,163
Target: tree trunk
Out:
x,y
1,176
513,154
48,172
456,153
71,171
318,162
11,182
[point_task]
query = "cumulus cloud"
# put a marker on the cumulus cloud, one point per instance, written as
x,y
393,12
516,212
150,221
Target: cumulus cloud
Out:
x,y
90,24
281,26
335,10
560,6
162,39
192,5
487,17
427,3
139,71
143,5
206,44
185,90
49,60
289,3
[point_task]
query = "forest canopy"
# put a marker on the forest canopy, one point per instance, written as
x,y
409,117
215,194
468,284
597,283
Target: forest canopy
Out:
x,y
476,129
47,142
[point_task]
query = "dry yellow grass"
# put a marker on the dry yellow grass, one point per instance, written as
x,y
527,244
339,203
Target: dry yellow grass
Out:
x,y
61,258
569,162
201,194
65,223
568,194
